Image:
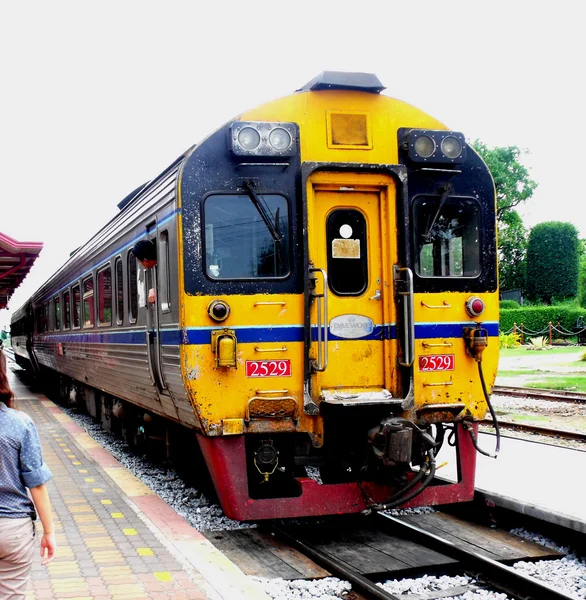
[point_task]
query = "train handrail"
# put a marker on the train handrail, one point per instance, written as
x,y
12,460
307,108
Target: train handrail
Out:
x,y
408,318
322,340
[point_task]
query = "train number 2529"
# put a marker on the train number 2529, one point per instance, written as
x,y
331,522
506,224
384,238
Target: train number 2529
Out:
x,y
268,368
436,362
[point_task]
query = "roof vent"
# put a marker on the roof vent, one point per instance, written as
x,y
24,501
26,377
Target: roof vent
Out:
x,y
340,80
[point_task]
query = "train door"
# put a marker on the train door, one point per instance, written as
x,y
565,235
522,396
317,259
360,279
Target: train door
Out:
x,y
350,256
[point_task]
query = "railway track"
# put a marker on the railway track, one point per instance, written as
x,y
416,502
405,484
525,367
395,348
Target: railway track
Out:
x,y
486,573
565,434
540,394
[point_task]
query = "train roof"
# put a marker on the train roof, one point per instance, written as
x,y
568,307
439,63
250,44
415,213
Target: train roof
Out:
x,y
16,260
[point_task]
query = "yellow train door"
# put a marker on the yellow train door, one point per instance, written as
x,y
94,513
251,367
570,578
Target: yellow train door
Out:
x,y
351,257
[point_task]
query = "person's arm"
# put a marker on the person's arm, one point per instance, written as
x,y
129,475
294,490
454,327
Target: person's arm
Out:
x,y
40,497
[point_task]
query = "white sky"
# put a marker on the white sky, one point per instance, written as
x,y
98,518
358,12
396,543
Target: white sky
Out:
x,y
99,97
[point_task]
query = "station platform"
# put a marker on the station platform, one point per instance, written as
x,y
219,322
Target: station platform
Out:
x,y
540,480
116,539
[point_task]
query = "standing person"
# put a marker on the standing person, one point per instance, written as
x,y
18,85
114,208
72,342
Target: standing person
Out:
x,y
21,467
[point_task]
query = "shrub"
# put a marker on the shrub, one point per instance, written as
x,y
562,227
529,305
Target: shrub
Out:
x,y
509,304
539,343
536,318
509,340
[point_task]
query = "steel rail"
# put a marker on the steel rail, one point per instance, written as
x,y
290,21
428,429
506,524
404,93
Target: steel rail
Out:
x,y
336,566
540,394
548,431
498,575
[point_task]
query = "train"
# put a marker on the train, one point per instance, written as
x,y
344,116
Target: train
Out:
x,y
311,292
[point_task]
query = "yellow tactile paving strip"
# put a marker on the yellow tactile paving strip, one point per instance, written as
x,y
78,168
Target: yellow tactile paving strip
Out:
x,y
109,548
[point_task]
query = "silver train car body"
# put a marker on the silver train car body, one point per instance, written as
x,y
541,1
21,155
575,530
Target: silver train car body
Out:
x,y
139,360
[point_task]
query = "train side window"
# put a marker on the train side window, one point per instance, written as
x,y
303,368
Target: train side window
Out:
x,y
119,291
447,237
163,267
76,306
88,302
66,310
105,296
132,288
57,309
346,236
246,239
46,316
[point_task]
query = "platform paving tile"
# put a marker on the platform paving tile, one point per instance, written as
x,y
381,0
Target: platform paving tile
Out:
x,y
106,551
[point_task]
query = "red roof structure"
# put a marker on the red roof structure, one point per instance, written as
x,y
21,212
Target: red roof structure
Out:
x,y
16,260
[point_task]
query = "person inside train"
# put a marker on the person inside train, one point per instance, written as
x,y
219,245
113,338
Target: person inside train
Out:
x,y
146,254
21,467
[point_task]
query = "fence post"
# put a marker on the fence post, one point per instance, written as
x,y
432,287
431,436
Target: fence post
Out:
x,y
522,334
550,332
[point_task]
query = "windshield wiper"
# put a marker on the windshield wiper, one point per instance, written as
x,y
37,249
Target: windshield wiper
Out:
x,y
263,211
444,197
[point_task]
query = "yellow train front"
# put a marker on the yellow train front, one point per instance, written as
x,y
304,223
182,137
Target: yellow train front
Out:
x,y
338,261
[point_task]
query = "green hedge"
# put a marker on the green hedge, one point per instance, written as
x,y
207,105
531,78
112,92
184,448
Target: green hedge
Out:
x,y
538,318
509,304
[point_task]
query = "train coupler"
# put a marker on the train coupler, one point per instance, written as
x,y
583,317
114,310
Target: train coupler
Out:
x,y
392,441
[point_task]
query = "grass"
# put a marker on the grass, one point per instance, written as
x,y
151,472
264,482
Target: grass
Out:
x,y
523,351
529,418
518,372
573,383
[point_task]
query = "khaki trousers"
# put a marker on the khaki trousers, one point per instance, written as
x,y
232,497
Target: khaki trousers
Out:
x,y
17,538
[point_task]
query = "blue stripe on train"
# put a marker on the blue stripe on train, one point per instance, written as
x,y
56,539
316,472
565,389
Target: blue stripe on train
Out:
x,y
293,333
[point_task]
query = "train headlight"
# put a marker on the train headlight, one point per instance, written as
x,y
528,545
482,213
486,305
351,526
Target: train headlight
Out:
x,y
424,146
218,310
433,146
280,139
249,138
259,139
451,147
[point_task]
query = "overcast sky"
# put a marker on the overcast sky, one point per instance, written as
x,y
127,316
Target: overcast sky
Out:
x,y
99,97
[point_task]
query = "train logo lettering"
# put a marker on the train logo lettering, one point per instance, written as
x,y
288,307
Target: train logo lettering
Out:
x,y
351,326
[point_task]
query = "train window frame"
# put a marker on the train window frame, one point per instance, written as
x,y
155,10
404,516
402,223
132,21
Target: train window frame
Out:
x,y
362,254
88,297
57,312
45,316
67,309
76,305
132,286
119,282
206,232
447,236
164,282
99,301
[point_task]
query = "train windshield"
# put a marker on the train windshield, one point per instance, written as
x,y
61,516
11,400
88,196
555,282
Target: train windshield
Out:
x,y
447,236
239,243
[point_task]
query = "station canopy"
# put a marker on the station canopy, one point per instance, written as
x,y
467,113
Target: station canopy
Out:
x,y
16,260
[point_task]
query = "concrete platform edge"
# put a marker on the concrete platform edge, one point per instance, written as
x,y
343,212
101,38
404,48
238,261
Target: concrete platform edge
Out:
x,y
533,510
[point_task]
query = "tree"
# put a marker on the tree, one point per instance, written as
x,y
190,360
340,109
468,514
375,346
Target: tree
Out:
x,y
553,252
511,179
513,186
512,249
582,274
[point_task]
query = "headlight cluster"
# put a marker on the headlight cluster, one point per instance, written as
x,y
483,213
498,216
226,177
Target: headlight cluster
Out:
x,y
426,145
263,139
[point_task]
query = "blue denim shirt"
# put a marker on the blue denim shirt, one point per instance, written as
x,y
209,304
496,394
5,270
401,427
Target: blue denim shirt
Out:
x,y
21,463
